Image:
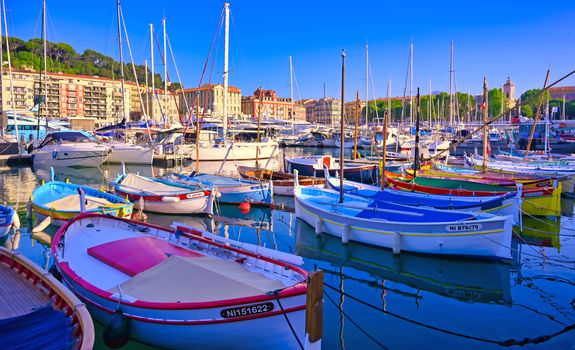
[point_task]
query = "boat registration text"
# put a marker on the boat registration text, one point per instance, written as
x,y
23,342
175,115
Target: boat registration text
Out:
x,y
247,310
463,227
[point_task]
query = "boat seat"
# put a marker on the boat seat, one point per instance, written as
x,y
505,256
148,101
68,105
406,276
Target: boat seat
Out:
x,y
219,279
72,203
134,255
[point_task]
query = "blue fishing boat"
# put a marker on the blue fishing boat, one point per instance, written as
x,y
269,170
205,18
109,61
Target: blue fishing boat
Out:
x,y
313,166
6,220
402,227
506,204
231,190
62,201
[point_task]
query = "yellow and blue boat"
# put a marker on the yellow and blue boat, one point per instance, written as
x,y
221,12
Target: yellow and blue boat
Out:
x,y
62,201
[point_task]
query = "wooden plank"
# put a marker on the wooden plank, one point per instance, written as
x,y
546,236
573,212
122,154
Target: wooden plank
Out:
x,y
18,296
314,306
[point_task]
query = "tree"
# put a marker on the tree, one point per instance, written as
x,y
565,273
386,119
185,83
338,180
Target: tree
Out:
x,y
495,97
531,99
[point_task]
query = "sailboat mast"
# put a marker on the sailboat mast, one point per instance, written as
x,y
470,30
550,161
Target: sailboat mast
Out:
x,y
386,117
416,153
2,111
366,83
342,125
165,59
14,115
411,83
45,54
291,89
485,118
563,110
146,111
356,125
153,73
226,53
121,60
451,86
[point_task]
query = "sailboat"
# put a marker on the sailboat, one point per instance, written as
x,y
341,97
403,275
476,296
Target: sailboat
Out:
x,y
124,152
223,149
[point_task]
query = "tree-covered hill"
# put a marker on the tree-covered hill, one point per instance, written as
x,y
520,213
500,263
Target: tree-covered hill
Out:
x,y
62,57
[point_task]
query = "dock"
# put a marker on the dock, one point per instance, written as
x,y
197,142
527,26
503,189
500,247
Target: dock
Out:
x,y
15,160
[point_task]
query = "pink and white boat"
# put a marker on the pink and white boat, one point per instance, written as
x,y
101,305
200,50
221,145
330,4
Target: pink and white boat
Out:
x,y
182,288
164,196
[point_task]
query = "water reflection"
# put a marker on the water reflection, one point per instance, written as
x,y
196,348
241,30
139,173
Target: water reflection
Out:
x,y
92,176
463,279
540,232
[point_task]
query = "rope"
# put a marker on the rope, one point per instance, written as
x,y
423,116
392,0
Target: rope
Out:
x,y
355,324
275,294
507,343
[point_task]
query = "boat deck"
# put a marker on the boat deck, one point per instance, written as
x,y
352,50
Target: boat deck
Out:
x,y
19,295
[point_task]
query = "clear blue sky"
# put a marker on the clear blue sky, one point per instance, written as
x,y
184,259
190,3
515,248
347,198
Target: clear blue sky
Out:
x,y
492,38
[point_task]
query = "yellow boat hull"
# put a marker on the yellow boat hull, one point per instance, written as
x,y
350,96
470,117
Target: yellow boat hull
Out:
x,y
543,205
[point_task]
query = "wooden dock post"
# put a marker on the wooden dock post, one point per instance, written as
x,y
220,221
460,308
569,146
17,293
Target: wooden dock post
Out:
x,y
314,310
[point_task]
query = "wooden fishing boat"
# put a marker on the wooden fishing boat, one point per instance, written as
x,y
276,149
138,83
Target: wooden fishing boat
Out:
x,y
6,220
313,166
564,173
164,196
182,288
230,190
61,201
283,182
505,204
404,228
37,311
543,201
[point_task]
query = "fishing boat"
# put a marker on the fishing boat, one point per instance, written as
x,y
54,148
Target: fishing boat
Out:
x,y
230,190
283,183
70,148
37,311
61,201
164,196
6,220
404,228
563,171
505,204
541,201
313,166
182,288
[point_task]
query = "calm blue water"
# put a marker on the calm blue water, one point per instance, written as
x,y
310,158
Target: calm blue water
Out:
x,y
406,301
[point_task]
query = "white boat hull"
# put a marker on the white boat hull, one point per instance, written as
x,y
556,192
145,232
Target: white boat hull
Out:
x,y
65,157
200,205
235,151
131,154
491,238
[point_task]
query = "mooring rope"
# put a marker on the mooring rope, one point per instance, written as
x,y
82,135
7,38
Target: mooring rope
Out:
x,y
508,342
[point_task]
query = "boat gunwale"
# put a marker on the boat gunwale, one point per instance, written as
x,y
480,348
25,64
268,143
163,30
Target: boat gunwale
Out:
x,y
290,291
81,316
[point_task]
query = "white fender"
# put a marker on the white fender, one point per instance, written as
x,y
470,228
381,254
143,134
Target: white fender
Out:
x,y
170,199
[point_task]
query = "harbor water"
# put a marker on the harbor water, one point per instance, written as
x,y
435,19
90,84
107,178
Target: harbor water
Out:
x,y
374,299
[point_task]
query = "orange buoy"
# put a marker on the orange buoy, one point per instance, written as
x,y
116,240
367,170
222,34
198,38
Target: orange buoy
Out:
x,y
245,207
140,216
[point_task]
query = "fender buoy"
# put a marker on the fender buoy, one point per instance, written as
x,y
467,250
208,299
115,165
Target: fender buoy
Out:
x,y
245,207
117,331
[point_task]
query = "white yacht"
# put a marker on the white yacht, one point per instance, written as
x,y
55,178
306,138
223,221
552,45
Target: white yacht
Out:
x,y
70,148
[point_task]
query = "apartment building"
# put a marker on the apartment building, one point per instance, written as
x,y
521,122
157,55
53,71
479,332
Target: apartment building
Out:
x,y
79,96
270,105
323,111
209,98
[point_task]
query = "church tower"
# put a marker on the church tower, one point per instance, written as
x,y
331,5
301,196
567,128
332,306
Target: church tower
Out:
x,y
509,91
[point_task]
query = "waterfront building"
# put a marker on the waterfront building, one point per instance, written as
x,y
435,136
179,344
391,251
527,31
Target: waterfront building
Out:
x,y
323,111
559,92
350,108
509,91
75,96
272,106
162,108
209,98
